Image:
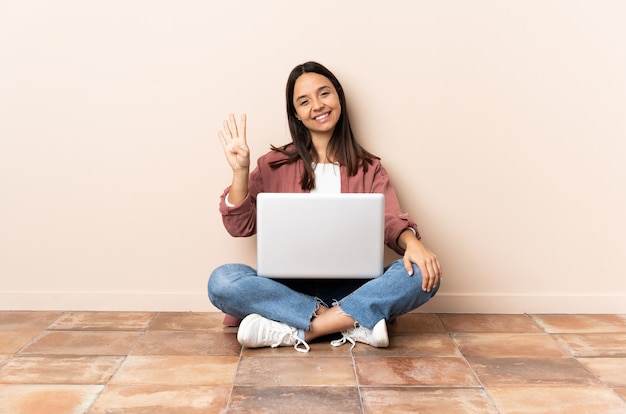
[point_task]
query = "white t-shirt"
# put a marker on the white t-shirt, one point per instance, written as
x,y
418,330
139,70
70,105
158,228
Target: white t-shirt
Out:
x,y
327,178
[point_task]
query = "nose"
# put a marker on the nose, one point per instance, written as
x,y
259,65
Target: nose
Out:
x,y
317,104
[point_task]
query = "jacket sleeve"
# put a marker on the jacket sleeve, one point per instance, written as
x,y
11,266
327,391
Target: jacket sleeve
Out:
x,y
240,219
396,219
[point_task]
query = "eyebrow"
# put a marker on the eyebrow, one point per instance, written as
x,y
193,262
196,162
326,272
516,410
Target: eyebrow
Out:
x,y
318,90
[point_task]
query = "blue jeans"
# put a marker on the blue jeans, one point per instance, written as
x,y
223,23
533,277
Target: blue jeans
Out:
x,y
237,290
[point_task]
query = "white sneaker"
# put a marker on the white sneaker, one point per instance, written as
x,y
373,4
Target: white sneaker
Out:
x,y
256,331
376,337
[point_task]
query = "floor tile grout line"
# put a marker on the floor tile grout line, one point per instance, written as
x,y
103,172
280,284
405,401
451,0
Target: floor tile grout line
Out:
x,y
557,331
124,358
539,326
568,352
482,385
600,380
38,336
232,382
49,328
564,348
618,395
356,379
573,355
154,318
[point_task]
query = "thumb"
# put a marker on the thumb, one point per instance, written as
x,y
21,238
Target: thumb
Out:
x,y
408,266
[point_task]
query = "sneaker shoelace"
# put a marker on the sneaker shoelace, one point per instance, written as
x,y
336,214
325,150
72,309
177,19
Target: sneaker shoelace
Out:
x,y
358,333
289,337
305,347
344,338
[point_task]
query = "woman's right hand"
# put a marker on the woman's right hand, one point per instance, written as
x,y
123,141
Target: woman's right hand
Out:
x,y
233,139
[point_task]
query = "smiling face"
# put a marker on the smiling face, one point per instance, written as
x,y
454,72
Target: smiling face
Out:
x,y
317,104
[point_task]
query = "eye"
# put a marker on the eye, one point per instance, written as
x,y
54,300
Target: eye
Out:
x,y
326,93
304,102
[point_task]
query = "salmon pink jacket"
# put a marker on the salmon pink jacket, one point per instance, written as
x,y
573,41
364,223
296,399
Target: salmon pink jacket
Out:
x,y
240,219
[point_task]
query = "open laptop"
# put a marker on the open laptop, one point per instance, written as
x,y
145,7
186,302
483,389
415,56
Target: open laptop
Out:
x,y
303,235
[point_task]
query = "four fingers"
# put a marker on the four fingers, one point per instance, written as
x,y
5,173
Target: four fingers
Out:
x,y
231,130
432,277
417,255
233,139
431,273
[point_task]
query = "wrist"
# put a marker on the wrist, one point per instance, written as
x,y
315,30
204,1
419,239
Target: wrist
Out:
x,y
407,238
243,171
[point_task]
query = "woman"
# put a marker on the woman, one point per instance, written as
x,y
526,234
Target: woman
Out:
x,y
323,157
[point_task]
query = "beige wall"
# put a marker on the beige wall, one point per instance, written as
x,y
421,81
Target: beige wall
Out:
x,y
502,123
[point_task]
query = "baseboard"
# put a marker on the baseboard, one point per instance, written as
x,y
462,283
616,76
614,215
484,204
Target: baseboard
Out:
x,y
198,302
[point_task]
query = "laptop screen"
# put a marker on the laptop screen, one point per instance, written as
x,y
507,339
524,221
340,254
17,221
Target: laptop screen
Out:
x,y
320,235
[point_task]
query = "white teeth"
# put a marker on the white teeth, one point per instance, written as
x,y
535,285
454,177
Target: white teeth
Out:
x,y
319,118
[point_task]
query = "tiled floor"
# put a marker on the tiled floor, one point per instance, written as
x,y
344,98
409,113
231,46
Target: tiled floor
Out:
x,y
144,362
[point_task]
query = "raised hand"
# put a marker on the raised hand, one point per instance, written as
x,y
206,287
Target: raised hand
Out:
x,y
233,139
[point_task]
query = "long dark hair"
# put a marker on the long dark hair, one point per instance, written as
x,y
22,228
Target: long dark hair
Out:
x,y
342,147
